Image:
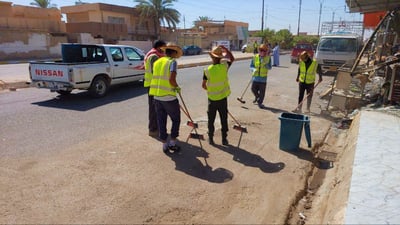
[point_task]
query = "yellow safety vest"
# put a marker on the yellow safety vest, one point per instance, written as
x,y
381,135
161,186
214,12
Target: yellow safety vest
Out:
x,y
160,85
147,71
261,69
217,81
308,77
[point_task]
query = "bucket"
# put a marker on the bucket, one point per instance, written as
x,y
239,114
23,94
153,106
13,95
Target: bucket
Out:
x,y
291,131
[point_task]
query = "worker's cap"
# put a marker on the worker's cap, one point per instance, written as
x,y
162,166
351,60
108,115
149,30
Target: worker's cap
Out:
x,y
216,52
174,47
263,47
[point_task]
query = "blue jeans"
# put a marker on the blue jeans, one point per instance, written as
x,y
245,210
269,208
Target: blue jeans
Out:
x,y
165,109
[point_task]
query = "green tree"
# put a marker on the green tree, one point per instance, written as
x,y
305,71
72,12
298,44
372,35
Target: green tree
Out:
x,y
284,38
266,35
161,11
43,4
204,19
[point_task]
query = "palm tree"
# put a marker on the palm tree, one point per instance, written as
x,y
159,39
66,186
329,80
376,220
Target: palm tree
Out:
x,y
199,22
204,19
161,11
43,4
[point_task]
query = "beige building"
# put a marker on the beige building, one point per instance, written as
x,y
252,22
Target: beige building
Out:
x,y
109,22
37,33
30,32
234,32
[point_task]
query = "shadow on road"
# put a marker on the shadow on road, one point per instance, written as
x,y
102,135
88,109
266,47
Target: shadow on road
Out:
x,y
302,154
249,159
274,110
82,101
187,161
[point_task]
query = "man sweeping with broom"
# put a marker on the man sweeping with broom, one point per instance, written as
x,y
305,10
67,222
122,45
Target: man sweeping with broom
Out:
x,y
216,82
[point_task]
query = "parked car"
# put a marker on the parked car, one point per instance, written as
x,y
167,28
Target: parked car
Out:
x,y
88,67
299,48
244,48
191,50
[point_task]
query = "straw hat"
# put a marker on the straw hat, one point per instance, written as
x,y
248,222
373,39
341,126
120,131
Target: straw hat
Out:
x,y
304,55
263,47
216,52
174,47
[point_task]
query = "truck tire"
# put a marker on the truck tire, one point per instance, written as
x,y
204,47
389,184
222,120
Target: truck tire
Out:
x,y
99,87
62,92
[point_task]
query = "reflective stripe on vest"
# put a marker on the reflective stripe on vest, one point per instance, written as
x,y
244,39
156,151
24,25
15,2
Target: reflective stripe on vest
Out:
x,y
260,65
160,85
308,76
147,70
217,81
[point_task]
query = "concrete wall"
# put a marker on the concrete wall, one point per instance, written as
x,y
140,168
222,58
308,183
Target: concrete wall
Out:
x,y
15,45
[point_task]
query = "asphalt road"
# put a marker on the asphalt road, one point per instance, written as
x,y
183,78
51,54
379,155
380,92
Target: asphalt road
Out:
x,y
90,160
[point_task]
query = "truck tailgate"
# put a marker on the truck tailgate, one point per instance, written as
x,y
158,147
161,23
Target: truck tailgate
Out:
x,y
49,72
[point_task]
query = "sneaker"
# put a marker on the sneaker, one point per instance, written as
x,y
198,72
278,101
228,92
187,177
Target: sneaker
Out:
x,y
165,149
174,148
225,141
261,106
255,100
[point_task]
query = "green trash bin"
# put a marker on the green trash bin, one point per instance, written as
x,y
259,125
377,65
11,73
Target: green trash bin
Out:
x,y
291,131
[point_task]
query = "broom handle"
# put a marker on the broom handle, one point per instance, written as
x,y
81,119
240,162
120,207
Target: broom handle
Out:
x,y
246,88
186,110
307,95
233,118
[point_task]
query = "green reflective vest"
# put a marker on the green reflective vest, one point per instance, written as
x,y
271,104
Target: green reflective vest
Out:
x,y
260,65
308,77
147,70
217,81
159,85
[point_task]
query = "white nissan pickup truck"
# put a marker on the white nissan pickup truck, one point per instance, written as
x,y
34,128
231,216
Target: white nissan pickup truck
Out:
x,y
89,67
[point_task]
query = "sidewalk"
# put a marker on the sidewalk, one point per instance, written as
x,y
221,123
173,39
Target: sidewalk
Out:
x,y
374,196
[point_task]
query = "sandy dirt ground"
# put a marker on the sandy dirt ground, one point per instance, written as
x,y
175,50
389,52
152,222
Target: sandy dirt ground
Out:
x,y
123,177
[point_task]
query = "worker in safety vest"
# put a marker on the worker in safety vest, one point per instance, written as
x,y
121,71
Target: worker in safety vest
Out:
x,y
308,68
216,82
260,65
164,87
151,56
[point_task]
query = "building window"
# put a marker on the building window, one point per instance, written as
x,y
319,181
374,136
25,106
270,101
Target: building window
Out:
x,y
116,20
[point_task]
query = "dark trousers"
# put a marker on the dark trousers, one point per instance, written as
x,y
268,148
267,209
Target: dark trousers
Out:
x,y
258,89
165,109
152,113
310,90
222,107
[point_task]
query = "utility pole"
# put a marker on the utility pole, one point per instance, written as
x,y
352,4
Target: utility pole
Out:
x,y
262,17
298,22
320,12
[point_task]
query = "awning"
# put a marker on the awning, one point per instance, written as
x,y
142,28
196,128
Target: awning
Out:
x,y
364,6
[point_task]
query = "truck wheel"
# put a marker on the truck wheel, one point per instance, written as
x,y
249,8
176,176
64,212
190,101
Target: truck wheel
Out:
x,y
99,87
62,92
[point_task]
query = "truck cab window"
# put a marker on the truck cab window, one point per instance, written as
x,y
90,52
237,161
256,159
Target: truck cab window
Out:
x,y
116,54
132,54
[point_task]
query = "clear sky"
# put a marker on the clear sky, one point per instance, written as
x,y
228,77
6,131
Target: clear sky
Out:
x,y
278,14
